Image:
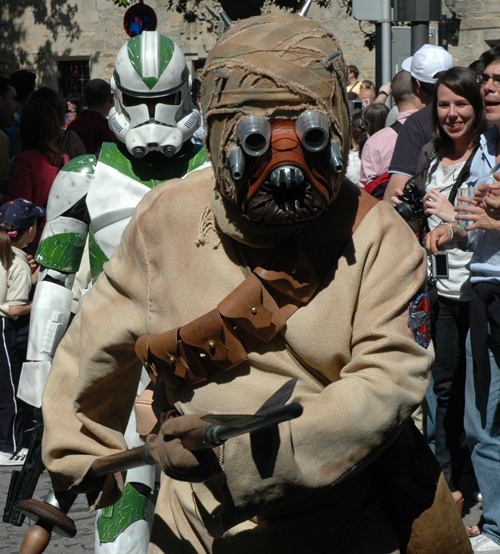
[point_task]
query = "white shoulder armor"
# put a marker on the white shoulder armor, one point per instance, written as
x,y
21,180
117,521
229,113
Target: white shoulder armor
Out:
x,y
71,185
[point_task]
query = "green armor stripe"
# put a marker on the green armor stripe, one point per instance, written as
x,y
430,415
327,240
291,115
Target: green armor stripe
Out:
x,y
97,257
81,164
115,519
166,51
153,172
62,252
199,159
111,155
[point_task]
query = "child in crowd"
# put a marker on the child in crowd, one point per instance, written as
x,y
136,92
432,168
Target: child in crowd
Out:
x,y
18,226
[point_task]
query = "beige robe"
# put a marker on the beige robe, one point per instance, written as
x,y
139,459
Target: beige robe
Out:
x,y
367,374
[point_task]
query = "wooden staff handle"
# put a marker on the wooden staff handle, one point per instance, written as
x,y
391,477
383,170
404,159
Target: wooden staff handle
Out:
x,y
121,461
49,518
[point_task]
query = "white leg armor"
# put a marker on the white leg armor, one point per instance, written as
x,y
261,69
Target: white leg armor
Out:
x,y
130,535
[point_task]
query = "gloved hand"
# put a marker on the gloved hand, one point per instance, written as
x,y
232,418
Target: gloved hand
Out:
x,y
176,461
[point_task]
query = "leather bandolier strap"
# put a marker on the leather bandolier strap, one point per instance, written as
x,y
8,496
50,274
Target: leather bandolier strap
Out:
x,y
255,312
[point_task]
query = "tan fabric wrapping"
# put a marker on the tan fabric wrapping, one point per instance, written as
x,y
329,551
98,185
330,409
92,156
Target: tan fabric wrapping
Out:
x,y
366,375
353,333
276,66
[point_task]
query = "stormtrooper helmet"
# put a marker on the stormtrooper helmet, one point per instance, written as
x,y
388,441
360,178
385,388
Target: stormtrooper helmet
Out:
x,y
152,96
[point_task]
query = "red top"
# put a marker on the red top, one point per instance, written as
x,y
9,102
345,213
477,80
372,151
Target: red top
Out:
x,y
31,178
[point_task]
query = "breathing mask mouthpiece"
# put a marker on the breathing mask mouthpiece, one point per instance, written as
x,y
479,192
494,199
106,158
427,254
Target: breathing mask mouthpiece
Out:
x,y
284,170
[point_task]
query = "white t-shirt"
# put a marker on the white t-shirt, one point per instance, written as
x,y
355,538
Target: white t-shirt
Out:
x,y
353,166
457,286
15,283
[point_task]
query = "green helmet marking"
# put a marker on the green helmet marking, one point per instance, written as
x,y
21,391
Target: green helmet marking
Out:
x,y
165,53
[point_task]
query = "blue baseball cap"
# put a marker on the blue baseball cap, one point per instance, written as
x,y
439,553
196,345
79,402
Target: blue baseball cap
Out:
x,y
20,214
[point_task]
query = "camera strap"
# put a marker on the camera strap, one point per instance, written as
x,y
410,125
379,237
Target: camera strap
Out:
x,y
417,183
462,176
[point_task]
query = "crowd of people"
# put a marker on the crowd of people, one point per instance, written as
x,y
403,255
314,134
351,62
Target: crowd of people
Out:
x,y
35,145
436,161
424,145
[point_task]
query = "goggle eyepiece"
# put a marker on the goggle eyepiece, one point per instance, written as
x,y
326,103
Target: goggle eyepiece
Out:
x,y
254,134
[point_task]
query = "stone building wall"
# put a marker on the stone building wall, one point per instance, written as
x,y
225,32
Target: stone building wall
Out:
x,y
38,34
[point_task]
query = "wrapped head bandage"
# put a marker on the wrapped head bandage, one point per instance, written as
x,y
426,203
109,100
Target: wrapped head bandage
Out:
x,y
277,120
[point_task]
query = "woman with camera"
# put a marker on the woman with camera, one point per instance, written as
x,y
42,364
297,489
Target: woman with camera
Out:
x,y
444,165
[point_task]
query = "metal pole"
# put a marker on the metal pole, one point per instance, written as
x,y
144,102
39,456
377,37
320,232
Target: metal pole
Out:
x,y
443,32
383,45
419,34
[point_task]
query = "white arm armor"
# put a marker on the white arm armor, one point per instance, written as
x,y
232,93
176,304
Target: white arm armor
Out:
x,y
52,303
49,318
32,382
50,314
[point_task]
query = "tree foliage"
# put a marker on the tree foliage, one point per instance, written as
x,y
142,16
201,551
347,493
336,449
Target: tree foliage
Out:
x,y
190,9
237,10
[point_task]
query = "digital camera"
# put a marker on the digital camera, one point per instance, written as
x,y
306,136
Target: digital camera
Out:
x,y
355,106
412,203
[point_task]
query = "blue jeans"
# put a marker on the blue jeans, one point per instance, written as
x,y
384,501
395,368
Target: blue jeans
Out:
x,y
482,428
429,413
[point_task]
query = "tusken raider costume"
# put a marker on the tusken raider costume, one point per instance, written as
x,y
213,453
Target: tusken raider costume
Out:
x,y
92,199
267,269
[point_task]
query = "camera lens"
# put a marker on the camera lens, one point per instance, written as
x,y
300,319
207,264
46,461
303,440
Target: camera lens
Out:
x,y
405,211
411,206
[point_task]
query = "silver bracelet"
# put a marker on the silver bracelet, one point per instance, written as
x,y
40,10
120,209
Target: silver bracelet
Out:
x,y
448,224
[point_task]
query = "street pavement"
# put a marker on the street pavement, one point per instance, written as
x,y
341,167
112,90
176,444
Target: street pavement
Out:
x,y
11,536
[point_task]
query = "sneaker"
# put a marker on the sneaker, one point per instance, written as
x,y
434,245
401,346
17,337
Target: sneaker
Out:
x,y
13,459
482,543
5,456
